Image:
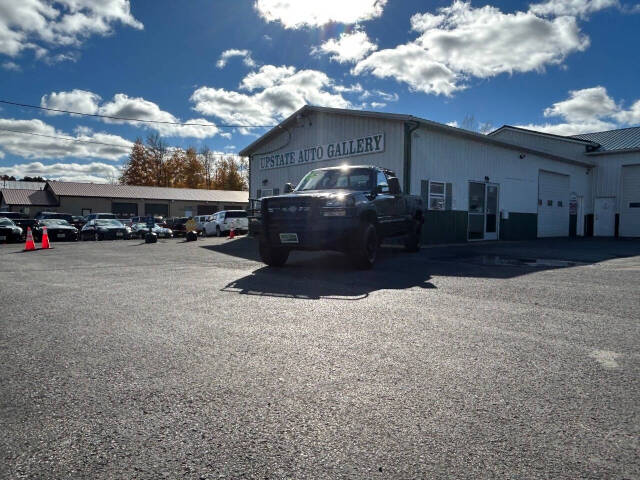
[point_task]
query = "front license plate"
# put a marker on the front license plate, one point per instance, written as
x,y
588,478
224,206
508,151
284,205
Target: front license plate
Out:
x,y
118,234
60,235
3,237
288,238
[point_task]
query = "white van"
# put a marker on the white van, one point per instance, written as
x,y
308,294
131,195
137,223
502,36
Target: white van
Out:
x,y
222,222
201,220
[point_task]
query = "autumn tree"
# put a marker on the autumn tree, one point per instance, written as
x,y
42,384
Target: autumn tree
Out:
x,y
139,169
229,174
208,163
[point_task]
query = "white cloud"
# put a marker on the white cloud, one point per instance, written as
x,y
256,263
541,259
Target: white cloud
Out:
x,y
580,8
378,104
587,110
349,47
584,105
227,54
30,24
2,154
41,147
76,100
96,172
462,42
139,108
300,13
454,124
11,66
274,93
128,107
413,65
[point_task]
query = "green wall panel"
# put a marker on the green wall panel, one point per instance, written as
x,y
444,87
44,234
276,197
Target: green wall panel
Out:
x,y
519,226
448,226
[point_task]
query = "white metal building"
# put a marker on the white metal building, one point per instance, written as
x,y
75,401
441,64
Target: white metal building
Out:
x,y
511,184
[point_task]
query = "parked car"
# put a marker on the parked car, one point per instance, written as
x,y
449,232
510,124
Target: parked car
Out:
x,y
57,229
177,225
222,222
14,215
348,209
62,216
159,220
201,221
93,216
9,231
105,229
141,229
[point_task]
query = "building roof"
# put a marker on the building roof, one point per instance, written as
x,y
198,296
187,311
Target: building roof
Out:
x,y
545,134
249,150
624,139
22,185
14,196
76,189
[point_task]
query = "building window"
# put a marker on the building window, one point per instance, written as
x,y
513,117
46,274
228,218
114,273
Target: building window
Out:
x,y
266,192
437,194
560,203
86,211
634,204
549,203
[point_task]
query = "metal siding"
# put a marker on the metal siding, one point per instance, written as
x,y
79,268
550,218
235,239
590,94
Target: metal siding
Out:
x,y
326,128
608,174
442,157
630,217
564,148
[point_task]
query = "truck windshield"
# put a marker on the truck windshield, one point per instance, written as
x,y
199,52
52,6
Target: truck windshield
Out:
x,y
337,179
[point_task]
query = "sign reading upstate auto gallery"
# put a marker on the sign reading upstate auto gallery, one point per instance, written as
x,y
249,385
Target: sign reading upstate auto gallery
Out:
x,y
330,151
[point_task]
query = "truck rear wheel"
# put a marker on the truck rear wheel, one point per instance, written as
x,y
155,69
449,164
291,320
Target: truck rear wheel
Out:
x,y
273,256
365,250
412,242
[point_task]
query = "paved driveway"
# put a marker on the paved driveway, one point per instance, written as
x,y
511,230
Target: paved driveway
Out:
x,y
193,360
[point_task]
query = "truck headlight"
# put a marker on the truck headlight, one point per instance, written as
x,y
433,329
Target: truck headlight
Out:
x,y
340,201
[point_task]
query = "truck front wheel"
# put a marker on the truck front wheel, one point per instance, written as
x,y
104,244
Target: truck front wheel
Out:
x,y
273,256
365,250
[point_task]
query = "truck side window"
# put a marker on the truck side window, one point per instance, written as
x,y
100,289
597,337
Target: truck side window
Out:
x,y
382,181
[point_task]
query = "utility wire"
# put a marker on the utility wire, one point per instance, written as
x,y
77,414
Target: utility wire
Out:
x,y
65,138
7,102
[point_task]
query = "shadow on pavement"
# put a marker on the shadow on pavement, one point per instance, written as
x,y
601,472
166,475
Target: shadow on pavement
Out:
x,y
314,275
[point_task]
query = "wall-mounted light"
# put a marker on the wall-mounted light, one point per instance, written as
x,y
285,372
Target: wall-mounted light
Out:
x,y
486,179
265,181
522,155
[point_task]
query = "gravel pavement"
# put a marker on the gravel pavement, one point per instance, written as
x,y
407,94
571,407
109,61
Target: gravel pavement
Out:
x,y
122,360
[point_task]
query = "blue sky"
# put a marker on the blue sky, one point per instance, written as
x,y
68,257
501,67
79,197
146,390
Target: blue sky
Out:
x,y
562,66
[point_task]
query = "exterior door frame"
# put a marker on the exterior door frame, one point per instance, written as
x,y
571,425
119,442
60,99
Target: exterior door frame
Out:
x,y
486,235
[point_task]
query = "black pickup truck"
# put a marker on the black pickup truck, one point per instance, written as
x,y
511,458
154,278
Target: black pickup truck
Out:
x,y
348,209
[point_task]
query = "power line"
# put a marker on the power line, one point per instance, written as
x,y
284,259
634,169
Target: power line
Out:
x,y
7,102
65,138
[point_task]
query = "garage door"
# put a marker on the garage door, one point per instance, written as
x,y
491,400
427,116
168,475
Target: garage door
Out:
x,y
553,205
630,205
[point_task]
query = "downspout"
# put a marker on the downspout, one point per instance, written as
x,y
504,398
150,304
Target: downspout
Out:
x,y
406,174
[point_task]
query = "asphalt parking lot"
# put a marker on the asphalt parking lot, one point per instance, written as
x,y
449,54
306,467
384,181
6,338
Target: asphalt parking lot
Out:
x,y
193,360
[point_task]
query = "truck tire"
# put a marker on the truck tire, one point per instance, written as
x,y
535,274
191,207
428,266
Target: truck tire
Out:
x,y
412,242
365,250
273,256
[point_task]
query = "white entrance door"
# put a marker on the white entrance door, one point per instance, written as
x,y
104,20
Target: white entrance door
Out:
x,y
604,217
630,205
483,211
553,204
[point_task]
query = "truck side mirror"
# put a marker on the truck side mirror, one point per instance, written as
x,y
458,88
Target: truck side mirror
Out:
x,y
394,186
288,187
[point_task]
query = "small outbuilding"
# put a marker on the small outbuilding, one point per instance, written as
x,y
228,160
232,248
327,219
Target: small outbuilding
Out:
x,y
123,200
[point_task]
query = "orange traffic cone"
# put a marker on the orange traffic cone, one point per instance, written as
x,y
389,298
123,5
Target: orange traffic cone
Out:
x,y
45,238
30,245
232,233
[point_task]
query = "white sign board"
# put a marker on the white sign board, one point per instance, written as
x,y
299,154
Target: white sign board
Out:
x,y
330,151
